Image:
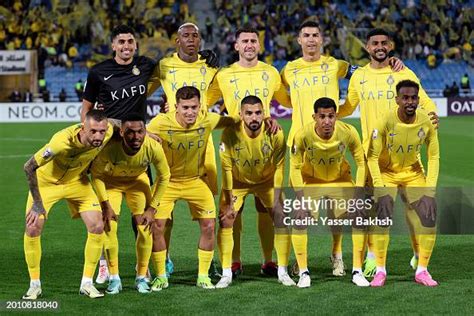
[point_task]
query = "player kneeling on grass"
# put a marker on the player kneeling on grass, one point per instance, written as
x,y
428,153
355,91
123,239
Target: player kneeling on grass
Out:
x,y
393,160
58,171
252,163
120,170
318,169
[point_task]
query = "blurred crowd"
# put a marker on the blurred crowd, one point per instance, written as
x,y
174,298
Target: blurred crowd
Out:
x,y
68,31
425,29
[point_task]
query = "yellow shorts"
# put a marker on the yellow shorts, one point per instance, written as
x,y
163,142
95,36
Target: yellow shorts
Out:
x,y
411,185
263,191
79,195
137,193
333,197
210,166
196,192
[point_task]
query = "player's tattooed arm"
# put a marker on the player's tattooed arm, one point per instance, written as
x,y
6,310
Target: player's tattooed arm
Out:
x,y
37,209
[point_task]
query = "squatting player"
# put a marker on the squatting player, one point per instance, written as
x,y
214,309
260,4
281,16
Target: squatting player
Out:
x,y
120,170
318,166
393,159
185,134
372,87
249,76
252,163
58,171
185,67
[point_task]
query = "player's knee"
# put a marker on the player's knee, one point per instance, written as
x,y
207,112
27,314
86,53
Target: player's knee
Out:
x,y
226,223
96,227
33,230
207,228
159,227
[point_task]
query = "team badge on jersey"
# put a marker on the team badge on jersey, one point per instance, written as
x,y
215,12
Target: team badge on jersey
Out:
x,y
265,76
47,153
421,133
341,147
135,70
221,147
375,133
265,149
324,66
390,80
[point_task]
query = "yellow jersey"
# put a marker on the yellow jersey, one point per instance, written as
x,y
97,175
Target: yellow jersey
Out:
x,y
309,81
173,73
395,146
113,164
251,160
317,160
64,158
374,90
233,83
185,148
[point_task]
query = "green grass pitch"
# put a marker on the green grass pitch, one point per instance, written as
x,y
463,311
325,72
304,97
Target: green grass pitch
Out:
x,y
63,241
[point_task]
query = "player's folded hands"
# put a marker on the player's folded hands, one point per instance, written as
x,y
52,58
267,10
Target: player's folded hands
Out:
x,y
426,209
148,218
385,207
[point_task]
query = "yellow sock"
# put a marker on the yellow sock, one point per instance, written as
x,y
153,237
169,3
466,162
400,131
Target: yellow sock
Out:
x,y
32,248
427,242
266,233
300,247
381,241
359,242
236,234
336,243
143,247
92,251
159,262
111,247
282,247
205,259
412,219
225,242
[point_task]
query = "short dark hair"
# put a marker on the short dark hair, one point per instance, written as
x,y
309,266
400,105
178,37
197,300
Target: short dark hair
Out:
x,y
96,115
407,84
121,29
251,99
309,23
324,103
133,117
245,29
187,93
375,32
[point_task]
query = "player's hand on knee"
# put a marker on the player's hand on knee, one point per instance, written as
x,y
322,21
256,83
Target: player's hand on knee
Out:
x,y
227,213
271,125
108,215
385,207
211,58
148,218
434,119
34,214
426,209
396,64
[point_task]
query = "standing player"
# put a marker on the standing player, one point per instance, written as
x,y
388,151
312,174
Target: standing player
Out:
x,y
249,76
185,134
393,159
120,169
186,67
372,87
252,163
317,165
55,172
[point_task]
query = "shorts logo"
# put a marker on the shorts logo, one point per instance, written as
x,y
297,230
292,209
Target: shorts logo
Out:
x,y
375,133
47,153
